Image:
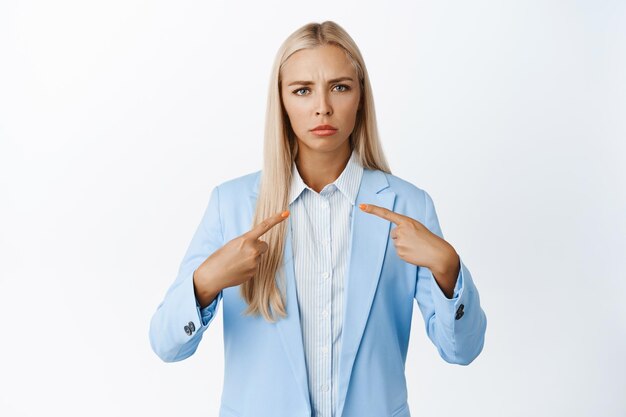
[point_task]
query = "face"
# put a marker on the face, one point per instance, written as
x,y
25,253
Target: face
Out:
x,y
320,87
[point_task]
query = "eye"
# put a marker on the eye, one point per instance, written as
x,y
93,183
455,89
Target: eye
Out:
x,y
343,85
299,89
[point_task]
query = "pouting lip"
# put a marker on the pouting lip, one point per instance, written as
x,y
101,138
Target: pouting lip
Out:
x,y
324,127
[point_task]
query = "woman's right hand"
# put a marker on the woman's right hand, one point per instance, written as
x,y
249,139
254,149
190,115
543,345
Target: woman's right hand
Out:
x,y
234,263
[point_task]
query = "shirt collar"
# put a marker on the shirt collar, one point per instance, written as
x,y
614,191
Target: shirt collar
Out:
x,y
348,181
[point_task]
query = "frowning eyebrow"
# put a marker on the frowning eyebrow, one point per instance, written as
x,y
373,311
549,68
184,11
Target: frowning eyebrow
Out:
x,y
334,80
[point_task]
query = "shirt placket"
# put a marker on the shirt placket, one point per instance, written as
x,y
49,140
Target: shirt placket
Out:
x,y
325,323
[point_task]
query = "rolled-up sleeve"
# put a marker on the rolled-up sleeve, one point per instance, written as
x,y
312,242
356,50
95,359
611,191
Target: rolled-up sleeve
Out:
x,y
456,325
178,323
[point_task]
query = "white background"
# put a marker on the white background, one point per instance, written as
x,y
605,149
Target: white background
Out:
x,y
117,118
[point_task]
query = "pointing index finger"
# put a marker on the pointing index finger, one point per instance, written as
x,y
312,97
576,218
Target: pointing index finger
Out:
x,y
263,227
383,212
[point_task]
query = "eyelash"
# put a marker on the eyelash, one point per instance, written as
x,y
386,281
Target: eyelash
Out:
x,y
306,88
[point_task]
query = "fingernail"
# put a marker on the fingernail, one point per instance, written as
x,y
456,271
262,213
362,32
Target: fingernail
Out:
x,y
284,214
363,206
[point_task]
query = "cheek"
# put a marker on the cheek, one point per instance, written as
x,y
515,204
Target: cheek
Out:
x,y
296,112
349,109
349,104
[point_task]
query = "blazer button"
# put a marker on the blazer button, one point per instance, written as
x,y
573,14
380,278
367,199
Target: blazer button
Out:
x,y
191,326
459,312
187,330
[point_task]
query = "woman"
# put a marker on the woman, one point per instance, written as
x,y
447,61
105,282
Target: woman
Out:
x,y
318,295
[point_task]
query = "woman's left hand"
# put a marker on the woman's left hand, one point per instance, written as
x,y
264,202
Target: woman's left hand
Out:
x,y
415,243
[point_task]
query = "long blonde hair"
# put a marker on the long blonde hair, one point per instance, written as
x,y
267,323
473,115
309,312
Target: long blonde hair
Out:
x,y
262,292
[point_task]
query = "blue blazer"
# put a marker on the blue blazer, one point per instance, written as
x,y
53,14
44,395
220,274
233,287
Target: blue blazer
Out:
x,y
264,364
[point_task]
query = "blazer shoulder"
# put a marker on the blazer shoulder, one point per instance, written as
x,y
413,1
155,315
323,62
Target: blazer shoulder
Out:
x,y
238,187
404,188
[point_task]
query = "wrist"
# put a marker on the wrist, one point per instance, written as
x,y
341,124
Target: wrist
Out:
x,y
206,287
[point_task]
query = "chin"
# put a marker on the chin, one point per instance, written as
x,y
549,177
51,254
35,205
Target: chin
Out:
x,y
327,144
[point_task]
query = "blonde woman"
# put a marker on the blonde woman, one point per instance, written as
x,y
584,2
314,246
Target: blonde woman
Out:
x,y
318,258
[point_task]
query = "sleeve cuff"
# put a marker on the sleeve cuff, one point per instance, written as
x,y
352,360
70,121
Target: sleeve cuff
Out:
x,y
207,313
448,308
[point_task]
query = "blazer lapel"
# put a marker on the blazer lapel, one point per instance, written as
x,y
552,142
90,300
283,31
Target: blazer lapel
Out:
x,y
369,237
368,241
289,328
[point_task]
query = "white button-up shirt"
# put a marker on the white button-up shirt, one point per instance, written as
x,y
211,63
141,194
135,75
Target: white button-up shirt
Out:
x,y
320,229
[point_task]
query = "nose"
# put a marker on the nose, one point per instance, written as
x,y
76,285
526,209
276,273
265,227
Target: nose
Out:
x,y
324,106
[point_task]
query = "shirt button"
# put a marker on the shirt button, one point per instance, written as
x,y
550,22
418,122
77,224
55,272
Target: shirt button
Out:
x,y
324,313
324,387
326,275
324,349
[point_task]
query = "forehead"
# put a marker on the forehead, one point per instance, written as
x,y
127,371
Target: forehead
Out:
x,y
327,61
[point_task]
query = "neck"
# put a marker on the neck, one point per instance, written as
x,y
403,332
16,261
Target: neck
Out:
x,y
319,169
